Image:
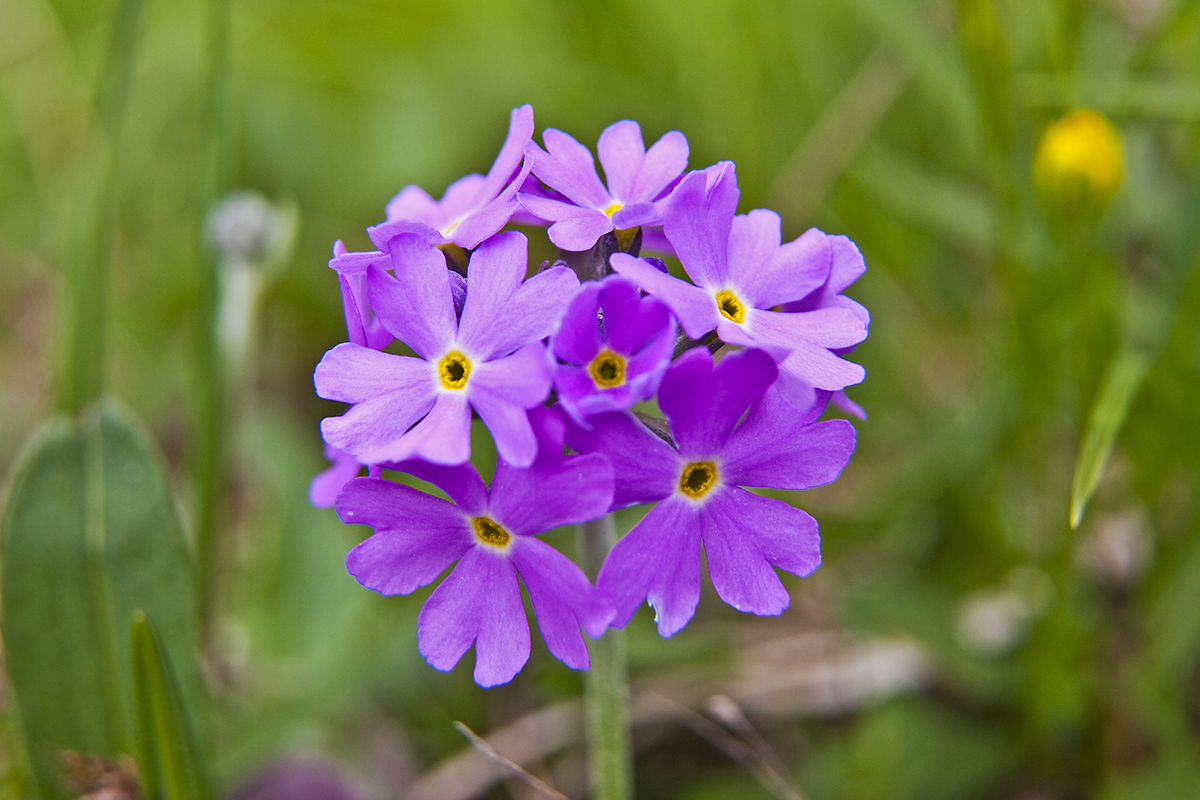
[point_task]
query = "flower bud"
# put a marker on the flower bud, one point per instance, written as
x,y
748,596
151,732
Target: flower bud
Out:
x,y
1078,162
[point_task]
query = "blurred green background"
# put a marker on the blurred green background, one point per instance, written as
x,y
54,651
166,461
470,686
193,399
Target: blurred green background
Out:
x,y
960,640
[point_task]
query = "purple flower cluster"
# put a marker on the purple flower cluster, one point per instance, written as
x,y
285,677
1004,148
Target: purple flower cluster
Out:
x,y
743,360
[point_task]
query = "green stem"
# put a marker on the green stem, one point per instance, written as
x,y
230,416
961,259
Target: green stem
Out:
x,y
210,426
87,258
606,685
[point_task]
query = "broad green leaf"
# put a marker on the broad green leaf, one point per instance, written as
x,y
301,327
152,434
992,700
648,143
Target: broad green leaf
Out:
x,y
1121,383
89,534
169,767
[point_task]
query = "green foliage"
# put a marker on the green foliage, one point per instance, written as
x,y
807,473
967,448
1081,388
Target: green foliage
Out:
x,y
90,533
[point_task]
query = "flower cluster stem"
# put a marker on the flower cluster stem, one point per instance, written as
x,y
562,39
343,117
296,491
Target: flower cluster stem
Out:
x,y
606,685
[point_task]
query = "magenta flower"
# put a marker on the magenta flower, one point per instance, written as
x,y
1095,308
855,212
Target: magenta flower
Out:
x,y
491,359
639,180
698,485
492,536
611,349
741,273
473,207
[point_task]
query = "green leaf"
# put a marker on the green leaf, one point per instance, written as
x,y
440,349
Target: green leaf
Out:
x,y
89,533
167,749
1125,375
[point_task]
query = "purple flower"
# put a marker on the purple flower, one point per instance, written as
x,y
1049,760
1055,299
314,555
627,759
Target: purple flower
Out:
x,y
611,349
473,207
698,486
491,534
741,273
638,182
491,359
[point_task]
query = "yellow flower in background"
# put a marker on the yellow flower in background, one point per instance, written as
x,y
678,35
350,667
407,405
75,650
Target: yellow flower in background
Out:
x,y
1078,160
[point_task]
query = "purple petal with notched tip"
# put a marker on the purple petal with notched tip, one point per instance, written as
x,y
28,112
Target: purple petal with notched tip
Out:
x,y
479,602
664,162
781,273
697,223
416,535
501,313
390,393
775,447
703,402
658,561
416,306
568,167
563,599
621,153
745,535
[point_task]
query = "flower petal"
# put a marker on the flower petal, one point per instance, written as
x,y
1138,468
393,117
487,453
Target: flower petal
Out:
x,y
775,447
579,233
695,308
563,599
703,402
659,560
416,306
443,436
534,500
645,467
480,602
665,161
577,340
769,274
568,167
698,220
416,535
744,535
621,152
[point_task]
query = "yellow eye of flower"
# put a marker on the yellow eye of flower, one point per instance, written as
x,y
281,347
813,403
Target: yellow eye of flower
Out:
x,y
614,208
607,369
454,369
731,308
697,478
488,532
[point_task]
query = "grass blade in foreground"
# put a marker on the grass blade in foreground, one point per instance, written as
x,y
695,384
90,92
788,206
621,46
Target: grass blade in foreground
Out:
x,y
1121,383
169,766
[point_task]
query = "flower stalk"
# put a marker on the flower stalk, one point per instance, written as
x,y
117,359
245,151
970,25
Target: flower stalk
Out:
x,y
606,685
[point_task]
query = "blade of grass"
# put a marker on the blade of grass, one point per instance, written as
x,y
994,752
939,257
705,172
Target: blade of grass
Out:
x,y
1122,381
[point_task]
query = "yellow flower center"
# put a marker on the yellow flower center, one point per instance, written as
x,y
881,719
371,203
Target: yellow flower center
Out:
x,y
454,369
614,208
607,369
489,532
697,478
731,308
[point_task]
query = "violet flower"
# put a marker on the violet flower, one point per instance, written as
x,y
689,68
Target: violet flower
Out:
x,y
473,207
741,273
698,485
492,359
638,181
492,536
611,349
